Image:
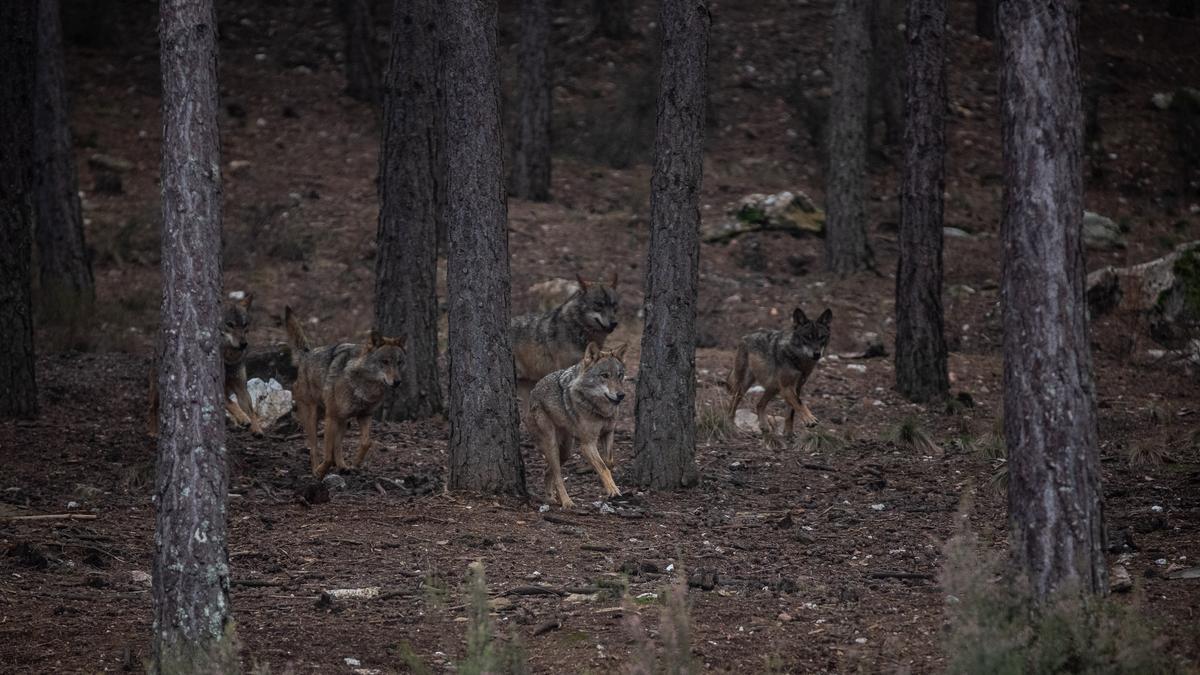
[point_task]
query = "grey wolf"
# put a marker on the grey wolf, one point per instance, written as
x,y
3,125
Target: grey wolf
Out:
x,y
781,361
549,341
235,326
579,403
342,381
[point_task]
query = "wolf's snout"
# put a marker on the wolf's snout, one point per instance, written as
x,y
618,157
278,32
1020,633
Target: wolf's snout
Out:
x,y
612,325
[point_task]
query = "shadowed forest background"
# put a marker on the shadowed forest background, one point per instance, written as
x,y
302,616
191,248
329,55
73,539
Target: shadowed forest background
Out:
x,y
824,556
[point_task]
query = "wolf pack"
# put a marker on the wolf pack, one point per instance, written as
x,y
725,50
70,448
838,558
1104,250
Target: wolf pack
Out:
x,y
571,384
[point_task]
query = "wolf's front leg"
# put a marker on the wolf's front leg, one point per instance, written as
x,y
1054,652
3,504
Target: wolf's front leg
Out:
x,y
592,454
792,396
606,443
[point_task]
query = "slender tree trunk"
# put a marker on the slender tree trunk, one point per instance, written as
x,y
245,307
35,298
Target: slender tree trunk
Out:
x,y
362,71
887,68
406,264
18,40
920,345
530,177
67,288
985,19
846,249
192,616
485,455
614,18
1054,499
665,435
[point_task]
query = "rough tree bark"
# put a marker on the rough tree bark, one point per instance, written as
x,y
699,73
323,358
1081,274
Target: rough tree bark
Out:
x,y
406,264
985,19
485,455
18,40
665,434
920,344
192,617
362,71
887,69
1054,498
614,18
65,272
530,177
846,249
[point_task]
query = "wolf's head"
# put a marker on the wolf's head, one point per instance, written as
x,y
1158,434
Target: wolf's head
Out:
x,y
381,358
235,325
595,305
601,378
810,337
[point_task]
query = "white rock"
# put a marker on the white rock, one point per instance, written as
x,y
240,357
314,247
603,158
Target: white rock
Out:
x,y
352,662
353,593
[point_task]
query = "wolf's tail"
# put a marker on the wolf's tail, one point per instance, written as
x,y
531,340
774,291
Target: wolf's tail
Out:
x,y
297,340
740,363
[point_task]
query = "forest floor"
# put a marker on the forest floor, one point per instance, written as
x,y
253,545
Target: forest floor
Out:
x,y
797,547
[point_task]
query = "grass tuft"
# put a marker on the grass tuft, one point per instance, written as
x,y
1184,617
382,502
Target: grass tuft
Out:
x,y
995,626
713,424
820,442
909,434
1148,453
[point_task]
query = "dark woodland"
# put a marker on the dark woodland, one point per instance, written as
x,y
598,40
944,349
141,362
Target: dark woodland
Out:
x,y
951,249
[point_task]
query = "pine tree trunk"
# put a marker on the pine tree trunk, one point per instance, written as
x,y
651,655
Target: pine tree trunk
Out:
x,y
65,272
406,263
530,177
1054,498
192,616
920,345
18,54
887,68
985,19
846,248
484,446
614,18
665,434
362,71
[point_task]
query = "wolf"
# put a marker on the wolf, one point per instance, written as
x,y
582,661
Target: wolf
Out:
x,y
549,341
781,361
343,381
235,326
579,402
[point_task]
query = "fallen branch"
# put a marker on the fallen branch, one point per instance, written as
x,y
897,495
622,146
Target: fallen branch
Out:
x,y
888,574
558,520
55,516
533,590
547,626
257,583
598,548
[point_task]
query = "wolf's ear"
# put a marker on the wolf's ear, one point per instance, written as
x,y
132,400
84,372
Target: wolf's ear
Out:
x,y
590,354
619,352
798,317
825,317
612,282
287,312
583,285
376,340
247,300
397,341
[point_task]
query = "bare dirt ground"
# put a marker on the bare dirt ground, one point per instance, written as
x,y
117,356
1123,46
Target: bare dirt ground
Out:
x,y
795,548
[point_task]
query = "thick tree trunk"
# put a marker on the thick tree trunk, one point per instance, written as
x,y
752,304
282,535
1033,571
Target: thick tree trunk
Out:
x,y
18,54
665,435
362,71
985,19
920,345
192,618
614,18
65,272
485,455
1054,497
530,177
887,68
406,264
846,249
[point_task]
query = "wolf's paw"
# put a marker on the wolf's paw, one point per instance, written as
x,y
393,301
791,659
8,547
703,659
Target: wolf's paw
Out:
x,y
256,430
810,421
567,503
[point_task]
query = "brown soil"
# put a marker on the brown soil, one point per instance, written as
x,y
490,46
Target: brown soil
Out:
x,y
796,539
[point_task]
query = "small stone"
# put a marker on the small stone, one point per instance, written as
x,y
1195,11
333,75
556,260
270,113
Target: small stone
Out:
x,y
856,367
238,167
141,578
1122,581
334,482
860,640
352,662
956,233
1101,233
784,617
